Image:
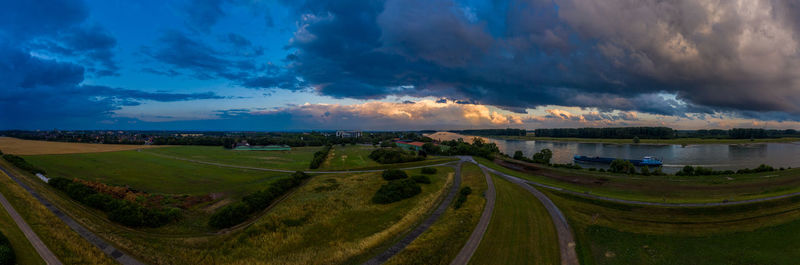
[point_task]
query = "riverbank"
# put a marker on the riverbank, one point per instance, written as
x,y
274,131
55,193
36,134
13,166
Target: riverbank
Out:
x,y
648,141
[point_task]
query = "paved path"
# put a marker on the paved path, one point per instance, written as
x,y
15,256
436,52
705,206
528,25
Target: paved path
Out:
x,y
474,240
421,228
111,251
292,171
37,243
566,241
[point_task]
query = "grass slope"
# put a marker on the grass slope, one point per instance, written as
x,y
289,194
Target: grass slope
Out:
x,y
28,147
521,231
444,239
70,247
23,249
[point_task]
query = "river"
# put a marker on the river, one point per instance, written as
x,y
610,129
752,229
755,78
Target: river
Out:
x,y
716,156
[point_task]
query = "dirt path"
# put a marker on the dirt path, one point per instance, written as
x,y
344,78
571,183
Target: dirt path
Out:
x,y
566,241
421,228
111,251
37,243
474,240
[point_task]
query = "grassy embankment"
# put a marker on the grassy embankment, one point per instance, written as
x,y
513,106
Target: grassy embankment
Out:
x,y
613,233
444,239
649,141
331,216
670,189
23,249
70,247
521,231
28,147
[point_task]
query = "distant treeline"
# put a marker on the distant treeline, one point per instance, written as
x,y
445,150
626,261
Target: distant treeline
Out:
x,y
739,133
492,132
609,133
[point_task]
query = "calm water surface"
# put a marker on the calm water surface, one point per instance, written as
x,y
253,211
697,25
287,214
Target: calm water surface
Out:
x,y
717,156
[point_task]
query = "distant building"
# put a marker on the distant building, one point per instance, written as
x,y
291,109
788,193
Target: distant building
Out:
x,y
348,134
262,148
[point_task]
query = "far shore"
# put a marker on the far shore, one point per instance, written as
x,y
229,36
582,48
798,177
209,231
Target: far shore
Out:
x,y
686,141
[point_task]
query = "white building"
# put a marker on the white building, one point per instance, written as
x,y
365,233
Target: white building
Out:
x,y
348,134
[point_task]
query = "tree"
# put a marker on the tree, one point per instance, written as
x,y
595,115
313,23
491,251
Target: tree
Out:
x,y
622,166
645,171
543,156
518,155
636,139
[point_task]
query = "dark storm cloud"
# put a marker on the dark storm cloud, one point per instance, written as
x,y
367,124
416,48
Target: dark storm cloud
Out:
x,y
90,45
612,55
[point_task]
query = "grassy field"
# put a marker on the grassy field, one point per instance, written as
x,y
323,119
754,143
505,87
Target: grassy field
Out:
x,y
154,174
350,157
612,233
521,231
299,158
70,247
444,239
23,249
650,141
671,189
28,147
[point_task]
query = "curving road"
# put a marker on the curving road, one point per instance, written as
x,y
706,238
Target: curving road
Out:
x,y
475,238
111,251
421,228
37,243
566,241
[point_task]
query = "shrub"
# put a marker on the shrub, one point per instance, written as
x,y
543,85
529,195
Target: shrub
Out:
x,y
421,179
7,256
396,190
543,156
230,215
394,155
20,163
59,183
238,212
428,170
128,214
518,155
636,140
319,157
79,192
646,171
101,201
622,166
462,196
392,174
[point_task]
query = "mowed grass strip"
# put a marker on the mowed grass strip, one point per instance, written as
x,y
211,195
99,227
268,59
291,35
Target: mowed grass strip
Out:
x,y
23,249
29,147
299,158
613,233
70,247
154,174
349,157
521,230
444,239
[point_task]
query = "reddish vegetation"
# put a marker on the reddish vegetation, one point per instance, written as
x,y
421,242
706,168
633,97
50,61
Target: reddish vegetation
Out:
x,y
118,192
150,201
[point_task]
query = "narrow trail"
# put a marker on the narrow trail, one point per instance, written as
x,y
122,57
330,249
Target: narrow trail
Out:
x,y
37,243
422,227
292,171
566,240
104,246
475,238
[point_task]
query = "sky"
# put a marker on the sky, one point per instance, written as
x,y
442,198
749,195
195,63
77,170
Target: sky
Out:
x,y
398,64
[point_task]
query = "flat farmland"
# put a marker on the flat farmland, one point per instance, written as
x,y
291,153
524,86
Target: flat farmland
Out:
x,y
29,147
299,158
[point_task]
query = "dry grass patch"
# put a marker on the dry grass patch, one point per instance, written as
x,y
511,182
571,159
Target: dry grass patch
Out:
x,y
29,147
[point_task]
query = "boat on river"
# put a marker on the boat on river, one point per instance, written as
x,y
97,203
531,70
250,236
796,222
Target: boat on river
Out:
x,y
645,161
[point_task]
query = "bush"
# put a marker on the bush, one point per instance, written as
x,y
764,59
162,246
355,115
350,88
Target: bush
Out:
x,y
428,170
421,179
543,156
636,140
396,190
238,212
79,192
622,166
128,214
462,196
646,171
394,155
7,256
102,202
392,174
518,155
59,183
20,163
319,157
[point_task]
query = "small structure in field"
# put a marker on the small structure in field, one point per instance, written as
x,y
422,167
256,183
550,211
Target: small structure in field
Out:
x,y
348,134
409,145
248,147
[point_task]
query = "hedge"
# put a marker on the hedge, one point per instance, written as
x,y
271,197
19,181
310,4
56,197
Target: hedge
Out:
x,y
319,157
7,256
394,155
428,170
392,174
20,163
462,196
121,211
238,212
396,190
421,179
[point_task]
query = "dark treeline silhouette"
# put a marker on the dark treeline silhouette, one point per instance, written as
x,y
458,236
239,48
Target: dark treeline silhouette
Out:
x,y
740,133
610,133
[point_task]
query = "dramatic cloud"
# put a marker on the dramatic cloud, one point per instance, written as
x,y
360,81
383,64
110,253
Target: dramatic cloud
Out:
x,y
708,56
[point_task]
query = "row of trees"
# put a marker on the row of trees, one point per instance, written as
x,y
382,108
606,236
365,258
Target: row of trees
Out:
x,y
610,133
541,157
20,163
400,186
394,155
458,147
238,212
319,157
739,133
122,211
